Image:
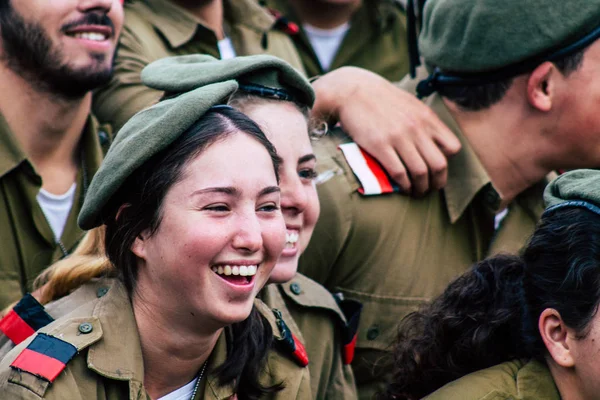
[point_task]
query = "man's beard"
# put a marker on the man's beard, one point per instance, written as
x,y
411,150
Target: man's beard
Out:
x,y
29,52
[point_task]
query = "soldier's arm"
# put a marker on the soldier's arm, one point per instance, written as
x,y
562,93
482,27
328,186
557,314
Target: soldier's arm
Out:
x,y
401,132
125,95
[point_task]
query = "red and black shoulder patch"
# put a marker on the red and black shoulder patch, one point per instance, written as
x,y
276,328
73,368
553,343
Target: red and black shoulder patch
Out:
x,y
283,24
45,357
289,343
352,310
24,319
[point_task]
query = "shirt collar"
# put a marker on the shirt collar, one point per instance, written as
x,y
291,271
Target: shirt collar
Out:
x,y
534,381
466,175
179,26
11,154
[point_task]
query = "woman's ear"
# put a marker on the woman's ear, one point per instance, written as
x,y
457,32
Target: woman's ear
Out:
x,y
557,337
541,87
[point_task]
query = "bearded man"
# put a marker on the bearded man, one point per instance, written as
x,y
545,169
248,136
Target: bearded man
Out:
x,y
51,58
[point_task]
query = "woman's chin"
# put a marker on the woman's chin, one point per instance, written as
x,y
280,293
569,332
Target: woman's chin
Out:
x,y
284,271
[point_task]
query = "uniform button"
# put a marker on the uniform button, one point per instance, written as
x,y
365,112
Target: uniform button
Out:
x,y
373,332
101,291
86,327
103,137
295,288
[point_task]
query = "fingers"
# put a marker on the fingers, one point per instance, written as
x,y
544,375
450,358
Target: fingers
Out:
x,y
417,169
434,157
390,162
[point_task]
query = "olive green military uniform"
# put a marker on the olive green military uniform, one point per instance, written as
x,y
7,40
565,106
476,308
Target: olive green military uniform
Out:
x,y
394,252
27,243
314,317
155,29
109,362
376,40
516,380
89,291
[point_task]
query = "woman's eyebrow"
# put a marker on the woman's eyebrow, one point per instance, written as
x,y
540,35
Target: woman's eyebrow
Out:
x,y
306,158
269,190
226,190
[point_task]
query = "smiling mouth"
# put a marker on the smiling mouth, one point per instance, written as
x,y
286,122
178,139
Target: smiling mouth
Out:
x,y
291,238
94,36
236,274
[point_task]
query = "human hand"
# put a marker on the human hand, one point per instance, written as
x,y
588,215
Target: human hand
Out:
x,y
401,132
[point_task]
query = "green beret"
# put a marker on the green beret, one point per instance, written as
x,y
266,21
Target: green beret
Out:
x,y
577,188
475,36
264,74
193,84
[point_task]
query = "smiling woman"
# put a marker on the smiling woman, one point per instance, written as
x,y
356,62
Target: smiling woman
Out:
x,y
188,188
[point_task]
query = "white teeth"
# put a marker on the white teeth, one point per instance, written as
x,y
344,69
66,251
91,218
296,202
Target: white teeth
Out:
x,y
98,37
291,237
242,270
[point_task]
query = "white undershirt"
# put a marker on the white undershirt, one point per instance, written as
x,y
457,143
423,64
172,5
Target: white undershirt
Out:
x,y
56,208
326,42
499,218
226,49
183,393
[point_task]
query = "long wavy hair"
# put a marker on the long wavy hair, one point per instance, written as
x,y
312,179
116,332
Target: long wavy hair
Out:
x,y
490,314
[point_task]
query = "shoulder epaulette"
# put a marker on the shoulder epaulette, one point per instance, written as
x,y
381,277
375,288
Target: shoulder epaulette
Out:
x,y
24,319
289,343
352,310
45,357
374,180
283,23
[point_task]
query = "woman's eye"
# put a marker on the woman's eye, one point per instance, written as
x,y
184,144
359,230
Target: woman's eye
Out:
x,y
307,173
268,207
217,208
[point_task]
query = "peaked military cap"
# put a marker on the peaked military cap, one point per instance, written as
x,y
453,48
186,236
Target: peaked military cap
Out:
x,y
494,40
577,188
192,84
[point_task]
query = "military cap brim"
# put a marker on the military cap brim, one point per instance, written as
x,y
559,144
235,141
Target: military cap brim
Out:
x,y
577,188
184,73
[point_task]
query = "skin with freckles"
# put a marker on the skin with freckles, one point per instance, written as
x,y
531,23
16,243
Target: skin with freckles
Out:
x,y
214,216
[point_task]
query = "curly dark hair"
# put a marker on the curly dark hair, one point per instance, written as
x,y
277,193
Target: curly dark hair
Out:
x,y
490,314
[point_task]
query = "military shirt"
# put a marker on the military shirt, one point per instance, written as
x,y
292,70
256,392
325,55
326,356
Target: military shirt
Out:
x,y
155,29
314,317
109,364
27,243
393,253
89,291
515,380
376,40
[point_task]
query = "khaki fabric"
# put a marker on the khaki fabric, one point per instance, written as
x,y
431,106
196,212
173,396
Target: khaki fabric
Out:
x,y
155,29
513,380
109,361
393,252
27,243
376,40
314,317
89,291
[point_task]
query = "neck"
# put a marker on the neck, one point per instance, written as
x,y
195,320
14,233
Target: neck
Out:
x,y
173,350
567,383
324,15
210,12
47,127
512,150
